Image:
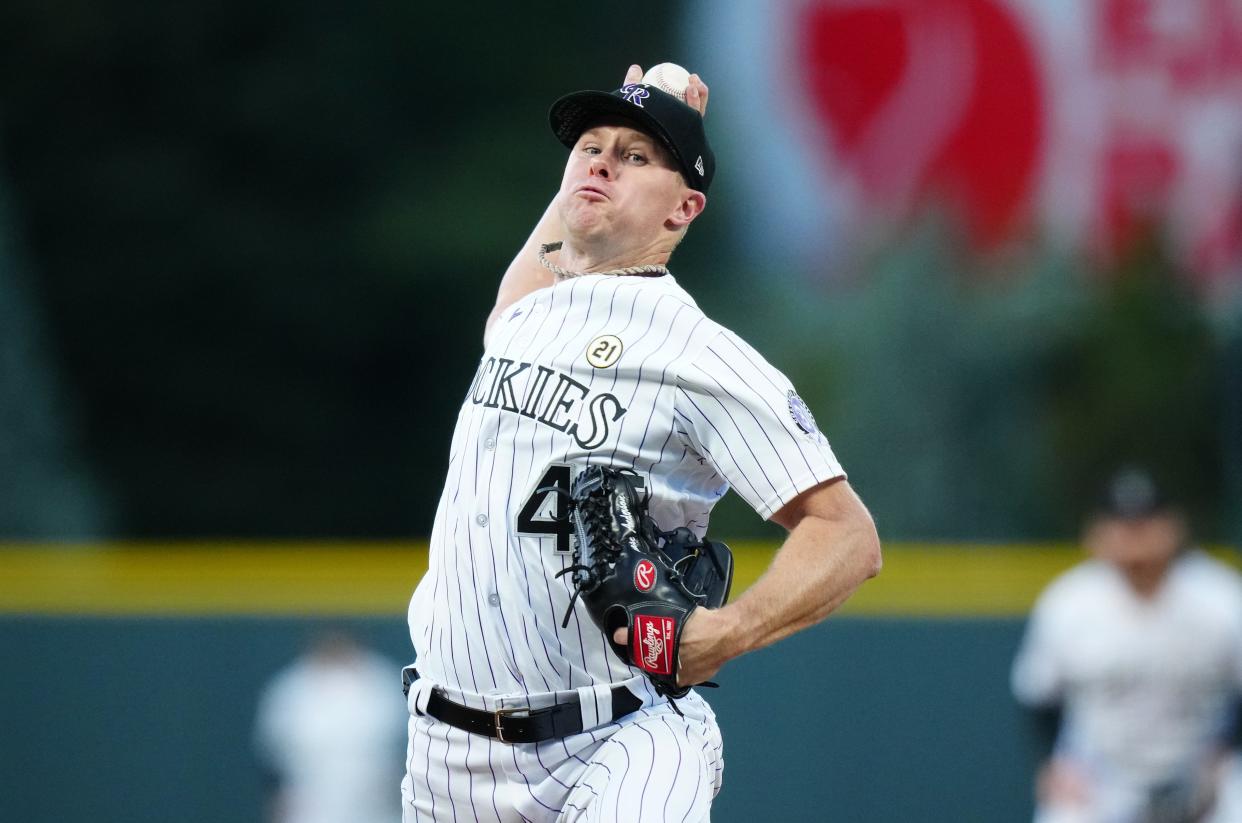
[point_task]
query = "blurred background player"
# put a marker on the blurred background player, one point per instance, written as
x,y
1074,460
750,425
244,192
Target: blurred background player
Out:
x,y
1132,661
330,732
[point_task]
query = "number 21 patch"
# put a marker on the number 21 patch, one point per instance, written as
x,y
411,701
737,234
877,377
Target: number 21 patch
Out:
x,y
604,351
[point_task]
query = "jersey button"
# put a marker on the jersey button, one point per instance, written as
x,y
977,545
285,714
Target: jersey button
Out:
x,y
481,519
489,443
493,599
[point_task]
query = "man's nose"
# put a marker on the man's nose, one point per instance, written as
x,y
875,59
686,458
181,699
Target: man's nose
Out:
x,y
599,167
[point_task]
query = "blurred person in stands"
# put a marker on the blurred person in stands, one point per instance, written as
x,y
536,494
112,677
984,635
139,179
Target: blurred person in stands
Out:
x,y
1132,664
330,734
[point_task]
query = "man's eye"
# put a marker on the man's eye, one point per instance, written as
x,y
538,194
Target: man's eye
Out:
x,y
591,149
636,157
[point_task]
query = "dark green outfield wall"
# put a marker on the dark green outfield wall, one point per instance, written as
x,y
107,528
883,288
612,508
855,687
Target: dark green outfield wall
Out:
x,y
128,721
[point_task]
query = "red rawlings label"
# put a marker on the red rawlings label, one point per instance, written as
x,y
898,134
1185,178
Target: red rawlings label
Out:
x,y
644,575
653,643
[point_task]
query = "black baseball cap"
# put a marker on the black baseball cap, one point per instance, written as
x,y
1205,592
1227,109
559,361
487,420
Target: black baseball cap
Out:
x,y
1132,493
672,122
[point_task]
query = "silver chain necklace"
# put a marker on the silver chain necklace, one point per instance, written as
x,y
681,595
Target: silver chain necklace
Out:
x,y
653,270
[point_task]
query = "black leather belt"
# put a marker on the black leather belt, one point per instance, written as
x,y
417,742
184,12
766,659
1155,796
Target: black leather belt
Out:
x,y
524,725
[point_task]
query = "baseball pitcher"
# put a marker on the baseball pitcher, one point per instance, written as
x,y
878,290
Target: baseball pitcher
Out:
x,y
573,597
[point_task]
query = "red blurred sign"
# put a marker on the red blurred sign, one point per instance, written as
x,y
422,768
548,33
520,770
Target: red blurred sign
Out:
x,y
924,98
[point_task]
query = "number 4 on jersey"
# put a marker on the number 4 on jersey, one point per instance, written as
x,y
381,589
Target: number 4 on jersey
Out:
x,y
540,516
546,511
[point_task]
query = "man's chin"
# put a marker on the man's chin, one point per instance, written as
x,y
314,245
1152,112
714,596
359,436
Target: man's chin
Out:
x,y
585,226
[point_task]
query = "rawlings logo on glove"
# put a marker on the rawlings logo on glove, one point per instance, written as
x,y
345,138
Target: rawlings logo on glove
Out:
x,y
631,575
653,640
644,576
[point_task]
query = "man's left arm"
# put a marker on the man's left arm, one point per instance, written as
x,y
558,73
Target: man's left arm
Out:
x,y
832,549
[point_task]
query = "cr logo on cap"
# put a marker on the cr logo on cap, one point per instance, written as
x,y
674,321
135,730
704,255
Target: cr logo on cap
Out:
x,y
634,93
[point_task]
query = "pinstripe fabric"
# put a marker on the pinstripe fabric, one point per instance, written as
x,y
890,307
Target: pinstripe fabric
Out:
x,y
621,371
655,766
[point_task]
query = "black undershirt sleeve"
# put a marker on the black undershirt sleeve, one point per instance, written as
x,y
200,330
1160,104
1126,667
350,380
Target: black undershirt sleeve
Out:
x,y
1231,735
1045,724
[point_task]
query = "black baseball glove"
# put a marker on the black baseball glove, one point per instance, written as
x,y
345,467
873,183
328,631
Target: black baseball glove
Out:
x,y
632,575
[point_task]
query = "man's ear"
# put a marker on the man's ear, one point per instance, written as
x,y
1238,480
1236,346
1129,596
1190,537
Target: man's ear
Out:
x,y
690,207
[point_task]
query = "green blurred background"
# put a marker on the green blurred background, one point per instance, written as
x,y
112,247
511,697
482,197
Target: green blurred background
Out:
x,y
246,252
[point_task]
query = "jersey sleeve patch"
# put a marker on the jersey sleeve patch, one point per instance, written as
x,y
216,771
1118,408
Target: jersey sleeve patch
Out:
x,y
746,418
801,414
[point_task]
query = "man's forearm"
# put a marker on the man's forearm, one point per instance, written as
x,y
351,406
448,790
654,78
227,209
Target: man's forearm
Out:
x,y
525,274
820,565
825,558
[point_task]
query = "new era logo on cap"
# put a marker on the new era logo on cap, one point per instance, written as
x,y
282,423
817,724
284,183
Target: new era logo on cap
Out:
x,y
698,166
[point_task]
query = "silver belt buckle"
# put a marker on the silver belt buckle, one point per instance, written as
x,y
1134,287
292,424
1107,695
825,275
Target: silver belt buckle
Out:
x,y
499,713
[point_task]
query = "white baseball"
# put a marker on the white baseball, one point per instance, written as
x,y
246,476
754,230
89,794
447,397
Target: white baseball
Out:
x,y
669,77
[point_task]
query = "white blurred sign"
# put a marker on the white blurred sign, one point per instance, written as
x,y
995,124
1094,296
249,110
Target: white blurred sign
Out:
x,y
1081,120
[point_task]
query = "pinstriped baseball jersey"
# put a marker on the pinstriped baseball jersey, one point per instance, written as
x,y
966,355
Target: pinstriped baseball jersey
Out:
x,y
1148,685
624,371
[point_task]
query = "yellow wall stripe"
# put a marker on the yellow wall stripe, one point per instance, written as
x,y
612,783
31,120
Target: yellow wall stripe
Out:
x,y
376,579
